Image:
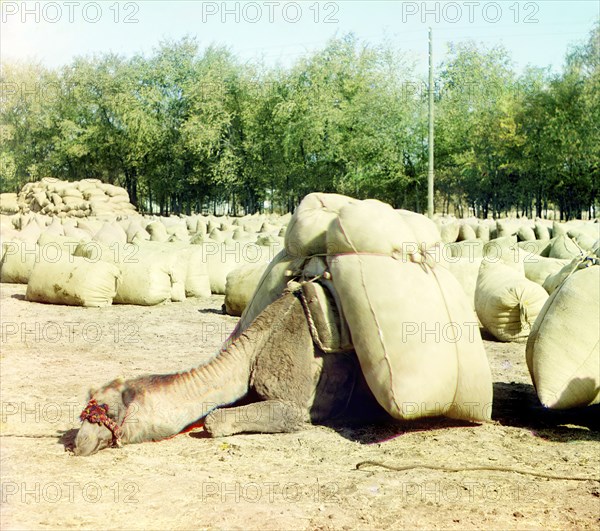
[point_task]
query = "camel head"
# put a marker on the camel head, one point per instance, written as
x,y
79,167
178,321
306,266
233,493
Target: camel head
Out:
x,y
112,401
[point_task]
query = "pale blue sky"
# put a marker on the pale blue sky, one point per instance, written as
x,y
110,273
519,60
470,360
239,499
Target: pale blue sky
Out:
x,y
54,32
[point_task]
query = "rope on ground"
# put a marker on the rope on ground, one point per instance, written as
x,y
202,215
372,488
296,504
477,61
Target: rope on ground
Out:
x,y
443,468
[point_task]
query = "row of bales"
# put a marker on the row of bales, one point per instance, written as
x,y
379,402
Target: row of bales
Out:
x,y
169,258
510,271
122,257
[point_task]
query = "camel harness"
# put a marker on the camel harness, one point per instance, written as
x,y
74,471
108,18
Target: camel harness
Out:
x,y
98,414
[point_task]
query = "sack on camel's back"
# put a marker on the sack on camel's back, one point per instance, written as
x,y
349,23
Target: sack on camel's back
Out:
x,y
563,349
74,281
306,230
412,326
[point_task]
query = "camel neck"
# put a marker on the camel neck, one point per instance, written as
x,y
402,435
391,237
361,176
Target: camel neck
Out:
x,y
169,403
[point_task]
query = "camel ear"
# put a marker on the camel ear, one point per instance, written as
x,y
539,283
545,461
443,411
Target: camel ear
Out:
x,y
119,380
91,393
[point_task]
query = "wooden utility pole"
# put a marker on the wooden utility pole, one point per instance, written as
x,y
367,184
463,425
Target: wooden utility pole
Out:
x,y
430,136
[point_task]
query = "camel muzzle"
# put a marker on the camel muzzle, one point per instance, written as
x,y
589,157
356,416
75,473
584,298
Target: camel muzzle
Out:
x,y
96,413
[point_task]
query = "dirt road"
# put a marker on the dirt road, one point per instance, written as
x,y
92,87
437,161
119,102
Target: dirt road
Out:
x,y
52,355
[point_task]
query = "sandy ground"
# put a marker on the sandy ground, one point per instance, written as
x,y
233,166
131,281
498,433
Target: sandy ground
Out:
x,y
51,356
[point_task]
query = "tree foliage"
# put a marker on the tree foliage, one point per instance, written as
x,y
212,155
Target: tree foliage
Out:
x,y
188,130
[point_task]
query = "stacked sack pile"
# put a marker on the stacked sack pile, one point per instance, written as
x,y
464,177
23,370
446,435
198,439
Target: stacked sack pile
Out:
x,y
411,324
511,266
88,197
157,258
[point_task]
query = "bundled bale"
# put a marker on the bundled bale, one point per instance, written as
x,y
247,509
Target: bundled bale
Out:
x,y
482,232
448,230
241,285
466,249
507,227
57,246
149,277
306,232
271,285
73,281
466,271
563,349
78,198
111,233
525,233
465,232
506,251
536,247
554,280
192,259
412,373
565,248
18,260
586,236
506,303
539,268
542,232
222,258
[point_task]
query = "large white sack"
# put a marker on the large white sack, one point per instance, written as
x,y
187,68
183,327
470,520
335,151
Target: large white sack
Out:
x,y
307,229
157,231
270,287
73,281
563,349
586,236
466,271
149,276
241,285
554,280
506,251
412,326
152,277
222,258
111,233
526,233
197,282
539,268
53,244
536,248
18,260
466,249
506,303
542,231
448,230
564,247
466,232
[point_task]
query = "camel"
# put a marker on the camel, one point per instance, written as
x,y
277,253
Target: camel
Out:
x,y
273,373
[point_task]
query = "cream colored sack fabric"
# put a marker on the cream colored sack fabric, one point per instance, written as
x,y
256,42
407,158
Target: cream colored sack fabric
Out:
x,y
73,281
306,230
18,259
539,268
506,303
413,328
563,349
270,287
241,285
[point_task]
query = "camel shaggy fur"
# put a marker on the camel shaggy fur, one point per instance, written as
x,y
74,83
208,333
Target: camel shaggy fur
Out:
x,y
274,366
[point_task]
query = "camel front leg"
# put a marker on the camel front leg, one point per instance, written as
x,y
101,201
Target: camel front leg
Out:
x,y
270,416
